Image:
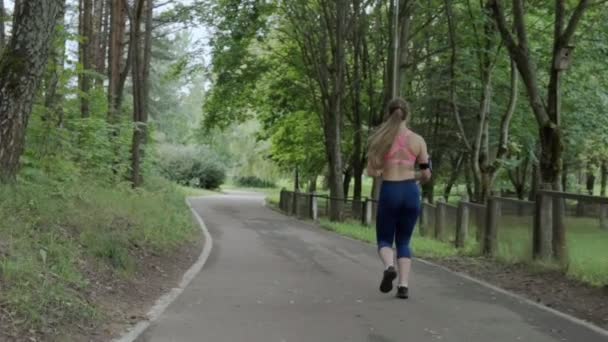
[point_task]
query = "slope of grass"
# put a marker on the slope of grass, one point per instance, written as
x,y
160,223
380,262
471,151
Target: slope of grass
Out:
x,y
49,229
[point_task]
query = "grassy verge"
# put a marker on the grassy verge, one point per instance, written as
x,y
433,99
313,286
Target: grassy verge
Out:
x,y
587,250
50,230
188,191
422,246
586,246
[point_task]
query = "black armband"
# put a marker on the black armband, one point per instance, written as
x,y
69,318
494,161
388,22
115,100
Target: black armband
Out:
x,y
426,166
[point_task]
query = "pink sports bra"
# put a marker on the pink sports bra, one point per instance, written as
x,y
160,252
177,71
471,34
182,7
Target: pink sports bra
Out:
x,y
401,145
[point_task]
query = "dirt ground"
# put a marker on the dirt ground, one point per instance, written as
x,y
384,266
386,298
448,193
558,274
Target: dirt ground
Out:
x,y
121,302
549,287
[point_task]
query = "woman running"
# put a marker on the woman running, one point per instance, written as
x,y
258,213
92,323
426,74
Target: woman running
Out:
x,y
393,153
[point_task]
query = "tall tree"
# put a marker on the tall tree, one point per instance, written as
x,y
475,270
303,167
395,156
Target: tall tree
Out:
x,y
141,55
118,67
85,53
53,96
99,32
320,31
21,70
547,113
2,26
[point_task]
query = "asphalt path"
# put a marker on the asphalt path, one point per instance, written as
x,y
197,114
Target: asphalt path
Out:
x,y
273,278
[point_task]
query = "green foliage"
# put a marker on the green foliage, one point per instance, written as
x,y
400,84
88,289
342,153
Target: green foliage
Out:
x,y
191,165
298,141
254,182
239,25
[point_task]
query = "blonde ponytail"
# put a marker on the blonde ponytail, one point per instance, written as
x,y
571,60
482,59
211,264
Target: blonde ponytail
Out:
x,y
382,138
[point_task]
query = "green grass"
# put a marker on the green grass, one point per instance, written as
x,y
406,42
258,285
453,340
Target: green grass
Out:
x,y
587,249
586,245
421,246
49,230
195,192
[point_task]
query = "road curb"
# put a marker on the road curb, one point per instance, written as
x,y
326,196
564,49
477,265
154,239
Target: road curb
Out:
x,y
164,301
521,298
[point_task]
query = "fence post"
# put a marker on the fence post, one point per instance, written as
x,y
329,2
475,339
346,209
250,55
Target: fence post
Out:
x,y
314,208
490,239
422,221
440,220
282,200
462,226
294,208
604,217
367,212
542,237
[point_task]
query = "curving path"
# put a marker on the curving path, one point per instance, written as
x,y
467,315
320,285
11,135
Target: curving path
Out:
x,y
271,278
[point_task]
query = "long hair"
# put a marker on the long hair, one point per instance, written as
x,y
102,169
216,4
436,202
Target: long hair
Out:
x,y
381,140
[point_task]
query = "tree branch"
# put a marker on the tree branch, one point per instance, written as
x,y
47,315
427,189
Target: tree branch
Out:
x,y
501,23
451,34
573,22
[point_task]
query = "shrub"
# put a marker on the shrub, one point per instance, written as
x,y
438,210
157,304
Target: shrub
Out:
x,y
195,166
254,182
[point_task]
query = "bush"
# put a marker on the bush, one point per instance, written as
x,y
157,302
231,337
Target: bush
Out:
x,y
195,166
254,182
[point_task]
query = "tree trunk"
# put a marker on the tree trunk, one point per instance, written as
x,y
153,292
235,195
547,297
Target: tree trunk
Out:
x,y
85,44
102,56
116,47
358,157
603,177
518,177
98,51
53,97
334,154
565,177
139,100
312,185
22,67
456,168
535,182
590,180
348,176
468,180
405,18
2,26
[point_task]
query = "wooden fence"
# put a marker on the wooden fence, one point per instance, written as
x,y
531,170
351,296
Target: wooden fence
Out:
x,y
466,221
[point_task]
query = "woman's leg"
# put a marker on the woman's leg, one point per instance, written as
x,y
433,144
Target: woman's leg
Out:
x,y
403,236
386,222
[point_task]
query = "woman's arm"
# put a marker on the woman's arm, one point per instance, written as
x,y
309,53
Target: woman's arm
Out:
x,y
424,175
371,172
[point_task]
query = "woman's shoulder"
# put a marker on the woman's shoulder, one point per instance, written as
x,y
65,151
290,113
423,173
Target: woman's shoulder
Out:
x,y
416,136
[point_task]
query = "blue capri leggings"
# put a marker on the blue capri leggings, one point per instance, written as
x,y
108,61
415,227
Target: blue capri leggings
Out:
x,y
398,210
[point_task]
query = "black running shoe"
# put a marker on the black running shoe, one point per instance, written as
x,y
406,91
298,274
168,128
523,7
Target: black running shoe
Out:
x,y
402,292
387,279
